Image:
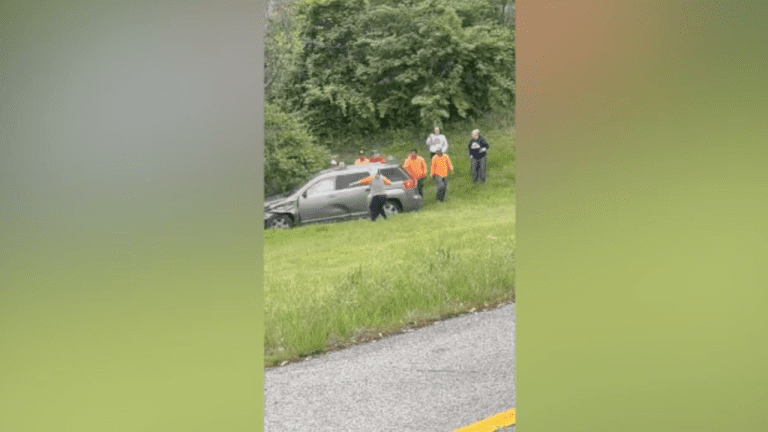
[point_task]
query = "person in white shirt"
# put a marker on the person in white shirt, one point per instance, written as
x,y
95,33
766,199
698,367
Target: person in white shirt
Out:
x,y
437,141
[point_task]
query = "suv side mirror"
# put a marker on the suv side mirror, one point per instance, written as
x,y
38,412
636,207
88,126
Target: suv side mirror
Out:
x,y
304,194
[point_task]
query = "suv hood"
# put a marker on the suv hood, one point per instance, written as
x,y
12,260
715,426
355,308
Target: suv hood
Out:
x,y
276,201
275,198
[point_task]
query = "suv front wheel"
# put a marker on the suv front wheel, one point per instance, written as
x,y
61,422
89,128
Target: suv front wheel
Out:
x,y
280,221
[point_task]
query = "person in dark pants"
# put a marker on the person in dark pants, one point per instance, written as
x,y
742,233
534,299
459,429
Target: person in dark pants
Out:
x,y
377,207
441,165
378,195
417,168
478,151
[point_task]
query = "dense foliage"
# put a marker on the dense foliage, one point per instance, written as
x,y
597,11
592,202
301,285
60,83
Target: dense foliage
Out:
x,y
354,67
282,45
291,154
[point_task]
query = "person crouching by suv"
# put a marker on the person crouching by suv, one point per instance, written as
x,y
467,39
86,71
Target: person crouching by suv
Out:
x,y
441,165
378,195
417,168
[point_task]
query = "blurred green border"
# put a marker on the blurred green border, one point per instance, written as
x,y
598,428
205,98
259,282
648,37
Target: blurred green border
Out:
x,y
130,216
641,233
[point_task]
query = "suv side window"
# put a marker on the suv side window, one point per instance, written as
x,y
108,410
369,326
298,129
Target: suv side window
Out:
x,y
394,174
345,180
325,185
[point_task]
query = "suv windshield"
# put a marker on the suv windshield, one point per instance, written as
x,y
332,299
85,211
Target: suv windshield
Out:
x,y
285,194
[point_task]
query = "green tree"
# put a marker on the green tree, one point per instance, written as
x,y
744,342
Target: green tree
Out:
x,y
364,66
291,154
281,46
324,86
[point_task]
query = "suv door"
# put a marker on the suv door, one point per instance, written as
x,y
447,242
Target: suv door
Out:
x,y
315,203
355,197
397,190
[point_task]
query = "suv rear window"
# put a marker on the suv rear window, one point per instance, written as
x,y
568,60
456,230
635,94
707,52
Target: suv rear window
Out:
x,y
345,180
394,174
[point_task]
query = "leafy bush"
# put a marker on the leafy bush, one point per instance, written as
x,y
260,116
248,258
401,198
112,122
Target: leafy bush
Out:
x,y
366,66
291,154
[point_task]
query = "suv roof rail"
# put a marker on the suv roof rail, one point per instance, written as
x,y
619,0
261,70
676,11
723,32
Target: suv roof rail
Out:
x,y
349,167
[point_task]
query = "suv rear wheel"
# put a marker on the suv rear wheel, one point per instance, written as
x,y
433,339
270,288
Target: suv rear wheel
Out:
x,y
391,207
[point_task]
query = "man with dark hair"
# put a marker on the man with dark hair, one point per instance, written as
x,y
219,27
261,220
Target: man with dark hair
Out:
x,y
478,149
441,165
417,168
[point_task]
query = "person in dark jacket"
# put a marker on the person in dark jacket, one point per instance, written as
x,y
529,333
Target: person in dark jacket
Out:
x,y
478,151
376,158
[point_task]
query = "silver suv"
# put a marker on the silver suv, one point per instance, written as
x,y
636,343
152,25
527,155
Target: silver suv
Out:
x,y
330,196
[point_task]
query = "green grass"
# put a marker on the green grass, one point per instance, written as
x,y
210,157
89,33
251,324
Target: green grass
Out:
x,y
327,284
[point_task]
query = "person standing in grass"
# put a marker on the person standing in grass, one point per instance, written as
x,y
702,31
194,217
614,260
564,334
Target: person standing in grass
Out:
x,y
441,165
478,150
436,141
376,157
417,168
378,195
361,160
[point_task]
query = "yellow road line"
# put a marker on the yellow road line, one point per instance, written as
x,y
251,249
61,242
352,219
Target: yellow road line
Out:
x,y
497,421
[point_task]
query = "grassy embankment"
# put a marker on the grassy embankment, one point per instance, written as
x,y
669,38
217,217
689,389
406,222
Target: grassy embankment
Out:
x,y
329,285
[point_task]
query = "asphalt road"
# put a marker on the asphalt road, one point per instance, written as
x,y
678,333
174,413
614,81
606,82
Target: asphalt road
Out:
x,y
437,378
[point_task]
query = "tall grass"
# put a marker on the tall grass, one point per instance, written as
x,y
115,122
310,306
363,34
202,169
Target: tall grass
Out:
x,y
325,284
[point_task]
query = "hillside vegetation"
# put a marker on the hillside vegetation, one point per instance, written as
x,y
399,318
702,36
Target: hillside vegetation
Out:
x,y
340,74
329,285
